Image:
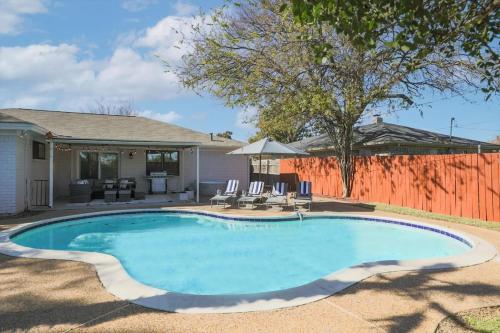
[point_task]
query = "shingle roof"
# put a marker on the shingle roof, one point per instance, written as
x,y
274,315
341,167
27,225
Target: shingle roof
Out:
x,y
7,118
88,126
386,134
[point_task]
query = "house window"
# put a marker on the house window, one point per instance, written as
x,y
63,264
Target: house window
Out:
x,y
95,165
162,161
89,165
171,162
154,161
108,164
38,150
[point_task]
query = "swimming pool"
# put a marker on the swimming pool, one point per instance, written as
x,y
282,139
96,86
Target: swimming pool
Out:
x,y
204,254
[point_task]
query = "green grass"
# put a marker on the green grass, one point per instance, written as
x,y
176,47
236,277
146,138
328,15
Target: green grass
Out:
x,y
420,213
482,324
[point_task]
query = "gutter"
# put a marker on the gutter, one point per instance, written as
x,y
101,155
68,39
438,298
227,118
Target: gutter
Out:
x,y
186,144
124,142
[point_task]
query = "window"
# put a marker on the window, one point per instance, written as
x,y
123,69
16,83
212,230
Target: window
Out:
x,y
108,163
171,162
89,165
38,150
162,161
153,161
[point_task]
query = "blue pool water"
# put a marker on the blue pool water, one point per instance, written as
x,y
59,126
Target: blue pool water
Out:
x,y
206,255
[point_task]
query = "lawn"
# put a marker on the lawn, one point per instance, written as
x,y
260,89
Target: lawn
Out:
x,y
420,213
482,320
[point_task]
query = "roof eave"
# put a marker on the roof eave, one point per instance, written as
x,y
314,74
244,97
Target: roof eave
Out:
x,y
124,142
20,126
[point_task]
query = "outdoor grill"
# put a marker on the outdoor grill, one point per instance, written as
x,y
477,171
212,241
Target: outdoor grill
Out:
x,y
158,181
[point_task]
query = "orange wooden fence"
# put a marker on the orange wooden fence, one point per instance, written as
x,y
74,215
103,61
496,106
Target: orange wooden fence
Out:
x,y
465,185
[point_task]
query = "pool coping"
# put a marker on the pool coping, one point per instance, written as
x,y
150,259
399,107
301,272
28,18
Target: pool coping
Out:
x,y
117,281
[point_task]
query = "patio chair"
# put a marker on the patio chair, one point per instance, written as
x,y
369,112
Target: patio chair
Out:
x,y
124,190
228,195
279,195
303,197
132,183
254,194
80,191
110,190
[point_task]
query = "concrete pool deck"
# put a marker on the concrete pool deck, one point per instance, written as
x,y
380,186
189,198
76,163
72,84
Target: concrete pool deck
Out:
x,y
60,295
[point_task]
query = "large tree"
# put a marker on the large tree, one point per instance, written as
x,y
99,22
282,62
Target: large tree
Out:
x,y
470,27
286,121
256,54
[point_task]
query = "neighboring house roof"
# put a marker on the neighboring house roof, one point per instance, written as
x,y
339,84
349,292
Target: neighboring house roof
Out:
x,y
382,133
96,127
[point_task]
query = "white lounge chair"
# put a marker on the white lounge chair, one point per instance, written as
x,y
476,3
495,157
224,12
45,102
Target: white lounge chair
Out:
x,y
254,194
303,197
228,195
279,195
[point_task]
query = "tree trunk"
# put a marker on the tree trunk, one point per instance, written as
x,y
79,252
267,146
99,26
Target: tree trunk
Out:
x,y
341,137
344,157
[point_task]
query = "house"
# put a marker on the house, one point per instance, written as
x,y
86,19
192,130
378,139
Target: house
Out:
x,y
42,152
381,138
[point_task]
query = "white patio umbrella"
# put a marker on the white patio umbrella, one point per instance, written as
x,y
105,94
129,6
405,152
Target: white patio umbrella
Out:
x,y
269,148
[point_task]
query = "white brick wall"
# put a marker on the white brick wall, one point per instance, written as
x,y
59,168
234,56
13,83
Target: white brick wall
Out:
x,y
8,174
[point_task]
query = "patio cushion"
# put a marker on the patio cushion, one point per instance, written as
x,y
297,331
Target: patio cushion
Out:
x,y
256,188
232,186
304,189
279,189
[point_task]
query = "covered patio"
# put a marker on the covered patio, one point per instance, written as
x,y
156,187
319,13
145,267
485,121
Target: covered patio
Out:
x,y
71,161
59,159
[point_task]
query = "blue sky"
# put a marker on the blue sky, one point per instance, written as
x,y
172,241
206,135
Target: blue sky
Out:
x,y
65,55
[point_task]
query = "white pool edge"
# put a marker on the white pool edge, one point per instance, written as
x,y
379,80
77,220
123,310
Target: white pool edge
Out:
x,y
117,281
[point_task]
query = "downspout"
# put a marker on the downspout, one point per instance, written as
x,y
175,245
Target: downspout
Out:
x,y
51,174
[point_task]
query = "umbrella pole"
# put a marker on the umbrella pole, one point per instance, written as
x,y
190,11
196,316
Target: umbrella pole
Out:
x,y
260,166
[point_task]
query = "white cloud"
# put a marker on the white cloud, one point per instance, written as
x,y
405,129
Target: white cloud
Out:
x,y
165,38
169,117
184,8
137,5
128,74
28,102
65,77
12,12
38,74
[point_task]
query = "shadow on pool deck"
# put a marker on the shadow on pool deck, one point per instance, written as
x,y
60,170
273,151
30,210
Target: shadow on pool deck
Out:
x,y
58,295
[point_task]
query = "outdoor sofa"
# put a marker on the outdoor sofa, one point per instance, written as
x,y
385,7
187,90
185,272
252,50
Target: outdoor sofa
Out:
x,y
80,191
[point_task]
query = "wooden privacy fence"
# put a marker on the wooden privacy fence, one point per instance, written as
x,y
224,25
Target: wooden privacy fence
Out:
x,y
465,185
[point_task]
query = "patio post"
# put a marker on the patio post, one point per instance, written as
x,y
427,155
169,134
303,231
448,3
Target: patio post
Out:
x,y
197,174
51,174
